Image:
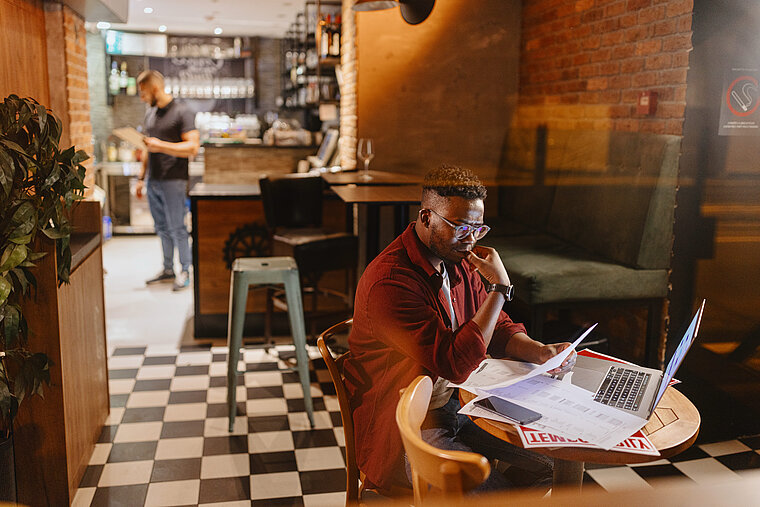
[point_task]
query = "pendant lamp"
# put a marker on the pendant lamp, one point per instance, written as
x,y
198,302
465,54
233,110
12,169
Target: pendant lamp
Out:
x,y
414,12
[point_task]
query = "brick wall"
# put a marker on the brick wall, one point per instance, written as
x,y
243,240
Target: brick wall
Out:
x,y
348,102
584,62
67,79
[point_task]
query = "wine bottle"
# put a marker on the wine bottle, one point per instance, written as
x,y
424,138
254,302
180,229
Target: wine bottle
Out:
x,y
113,79
335,42
123,76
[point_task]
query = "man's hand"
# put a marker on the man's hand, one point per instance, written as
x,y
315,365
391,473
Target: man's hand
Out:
x,y
139,188
153,145
548,351
486,260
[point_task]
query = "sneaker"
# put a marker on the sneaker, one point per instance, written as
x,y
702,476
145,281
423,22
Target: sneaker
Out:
x,y
163,277
182,281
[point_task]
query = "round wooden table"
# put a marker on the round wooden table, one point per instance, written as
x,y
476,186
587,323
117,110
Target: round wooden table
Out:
x,y
672,429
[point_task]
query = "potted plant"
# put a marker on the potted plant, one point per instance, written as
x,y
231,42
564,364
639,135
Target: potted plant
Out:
x,y
39,184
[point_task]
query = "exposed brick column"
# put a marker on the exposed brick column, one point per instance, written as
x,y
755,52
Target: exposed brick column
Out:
x,y
348,65
583,63
67,74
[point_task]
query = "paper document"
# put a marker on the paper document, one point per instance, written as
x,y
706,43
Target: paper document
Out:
x,y
569,409
130,135
638,443
493,373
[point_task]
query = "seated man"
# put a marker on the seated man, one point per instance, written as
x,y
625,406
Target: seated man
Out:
x,y
422,308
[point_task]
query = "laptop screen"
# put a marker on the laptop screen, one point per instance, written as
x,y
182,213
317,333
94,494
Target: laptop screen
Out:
x,y
680,353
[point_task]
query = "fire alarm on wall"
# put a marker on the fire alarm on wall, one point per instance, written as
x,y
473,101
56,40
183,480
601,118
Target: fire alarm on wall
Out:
x,y
647,104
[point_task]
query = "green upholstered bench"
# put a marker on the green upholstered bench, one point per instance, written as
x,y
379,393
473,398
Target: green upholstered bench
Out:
x,y
588,237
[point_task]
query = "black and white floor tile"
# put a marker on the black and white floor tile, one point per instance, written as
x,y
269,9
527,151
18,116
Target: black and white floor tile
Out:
x,y
166,440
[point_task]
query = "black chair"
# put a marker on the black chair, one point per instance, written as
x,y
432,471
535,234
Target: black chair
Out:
x,y
293,212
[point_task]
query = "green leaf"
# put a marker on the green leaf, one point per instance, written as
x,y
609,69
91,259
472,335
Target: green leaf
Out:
x,y
5,289
56,232
11,326
12,257
13,146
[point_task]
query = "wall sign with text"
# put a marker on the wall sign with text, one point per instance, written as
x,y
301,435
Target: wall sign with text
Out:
x,y
739,113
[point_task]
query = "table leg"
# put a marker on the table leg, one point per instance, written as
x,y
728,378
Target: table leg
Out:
x,y
568,474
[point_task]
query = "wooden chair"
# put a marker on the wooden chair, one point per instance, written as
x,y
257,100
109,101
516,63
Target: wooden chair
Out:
x,y
435,472
335,367
354,477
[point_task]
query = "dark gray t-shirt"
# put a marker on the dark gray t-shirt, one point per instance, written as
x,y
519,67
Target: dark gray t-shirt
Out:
x,y
168,124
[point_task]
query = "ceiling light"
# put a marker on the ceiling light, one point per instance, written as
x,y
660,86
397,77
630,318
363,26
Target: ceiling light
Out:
x,y
162,28
103,25
148,10
413,11
217,31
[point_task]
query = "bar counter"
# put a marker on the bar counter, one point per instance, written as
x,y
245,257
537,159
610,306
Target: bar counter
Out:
x,y
246,163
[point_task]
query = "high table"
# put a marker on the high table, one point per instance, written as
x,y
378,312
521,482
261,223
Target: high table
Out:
x,y
374,196
672,429
377,178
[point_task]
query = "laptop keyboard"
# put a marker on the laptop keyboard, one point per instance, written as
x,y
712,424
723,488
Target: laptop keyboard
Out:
x,y
623,388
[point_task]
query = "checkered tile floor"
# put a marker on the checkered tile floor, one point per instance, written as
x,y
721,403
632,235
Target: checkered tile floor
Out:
x,y
166,440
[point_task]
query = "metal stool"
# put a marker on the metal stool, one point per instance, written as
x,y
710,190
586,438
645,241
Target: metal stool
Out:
x,y
259,271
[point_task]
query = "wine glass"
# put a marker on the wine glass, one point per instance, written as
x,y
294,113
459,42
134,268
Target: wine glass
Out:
x,y
366,152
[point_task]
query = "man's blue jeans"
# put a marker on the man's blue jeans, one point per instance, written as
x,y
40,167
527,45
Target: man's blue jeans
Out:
x,y
166,199
445,429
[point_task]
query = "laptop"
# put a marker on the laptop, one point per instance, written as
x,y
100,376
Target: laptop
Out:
x,y
632,388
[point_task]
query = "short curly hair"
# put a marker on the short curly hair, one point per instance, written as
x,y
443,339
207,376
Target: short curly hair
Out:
x,y
454,181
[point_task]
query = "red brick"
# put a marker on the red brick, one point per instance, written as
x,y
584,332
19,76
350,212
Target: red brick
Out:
x,y
601,55
571,98
592,15
666,27
634,5
623,52
614,9
609,68
597,83
679,93
613,38
629,96
628,20
662,61
676,42
591,42
582,5
610,97
620,111
653,126
684,23
620,82
644,79
674,127
666,94
680,60
648,47
632,65
626,125
671,110
581,59
608,25
637,33
678,7
652,14
588,71
590,98
675,76
572,21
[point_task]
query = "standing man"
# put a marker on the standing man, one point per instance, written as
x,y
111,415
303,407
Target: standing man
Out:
x,y
422,309
172,139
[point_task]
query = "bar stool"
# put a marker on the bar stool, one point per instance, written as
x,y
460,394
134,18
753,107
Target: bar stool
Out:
x,y
249,271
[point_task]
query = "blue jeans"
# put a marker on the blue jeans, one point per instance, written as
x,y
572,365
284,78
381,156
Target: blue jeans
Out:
x,y
166,199
445,429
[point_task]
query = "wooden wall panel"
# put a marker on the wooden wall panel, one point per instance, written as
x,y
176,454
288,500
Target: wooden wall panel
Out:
x,y
83,361
442,91
23,54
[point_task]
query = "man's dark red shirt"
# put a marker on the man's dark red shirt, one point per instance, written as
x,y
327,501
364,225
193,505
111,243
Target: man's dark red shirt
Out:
x,y
402,329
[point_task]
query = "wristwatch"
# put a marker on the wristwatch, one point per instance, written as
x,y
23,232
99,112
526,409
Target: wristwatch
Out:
x,y
507,290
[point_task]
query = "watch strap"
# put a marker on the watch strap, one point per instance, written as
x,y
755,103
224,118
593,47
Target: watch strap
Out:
x,y
507,290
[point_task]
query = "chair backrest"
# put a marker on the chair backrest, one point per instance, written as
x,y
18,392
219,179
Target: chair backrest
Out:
x,y
448,473
292,201
335,367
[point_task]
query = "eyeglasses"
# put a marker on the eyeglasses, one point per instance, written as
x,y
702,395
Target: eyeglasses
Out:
x,y
461,231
